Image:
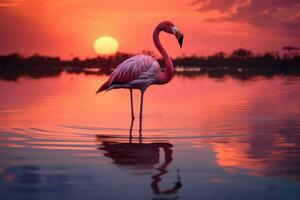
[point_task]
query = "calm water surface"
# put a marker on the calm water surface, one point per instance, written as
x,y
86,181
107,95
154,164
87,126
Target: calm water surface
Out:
x,y
202,138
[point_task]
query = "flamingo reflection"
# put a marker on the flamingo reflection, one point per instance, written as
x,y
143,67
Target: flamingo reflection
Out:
x,y
139,156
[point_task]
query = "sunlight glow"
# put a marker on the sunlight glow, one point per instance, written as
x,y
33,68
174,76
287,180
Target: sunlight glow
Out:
x,y
106,45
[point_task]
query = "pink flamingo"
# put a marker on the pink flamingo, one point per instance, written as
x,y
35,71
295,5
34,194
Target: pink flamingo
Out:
x,y
141,71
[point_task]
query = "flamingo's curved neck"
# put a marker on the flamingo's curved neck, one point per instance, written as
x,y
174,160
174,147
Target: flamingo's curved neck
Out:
x,y
169,72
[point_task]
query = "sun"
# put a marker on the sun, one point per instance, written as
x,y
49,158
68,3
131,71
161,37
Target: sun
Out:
x,y
106,45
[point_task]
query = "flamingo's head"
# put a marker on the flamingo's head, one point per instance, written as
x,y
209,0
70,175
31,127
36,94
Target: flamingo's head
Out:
x,y
169,27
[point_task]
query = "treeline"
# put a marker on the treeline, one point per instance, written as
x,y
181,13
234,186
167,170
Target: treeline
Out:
x,y
14,66
239,62
242,64
241,58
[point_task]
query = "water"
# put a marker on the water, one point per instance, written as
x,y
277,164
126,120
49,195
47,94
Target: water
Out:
x,y
202,138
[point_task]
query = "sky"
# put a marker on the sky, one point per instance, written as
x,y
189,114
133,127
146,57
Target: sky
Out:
x,y
69,28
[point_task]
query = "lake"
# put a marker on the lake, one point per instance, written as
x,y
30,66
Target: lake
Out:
x,y
202,138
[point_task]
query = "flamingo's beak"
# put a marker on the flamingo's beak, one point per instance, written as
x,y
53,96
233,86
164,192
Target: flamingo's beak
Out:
x,y
180,40
178,35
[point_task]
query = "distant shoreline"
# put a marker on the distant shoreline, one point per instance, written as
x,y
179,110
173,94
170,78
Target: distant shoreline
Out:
x,y
242,64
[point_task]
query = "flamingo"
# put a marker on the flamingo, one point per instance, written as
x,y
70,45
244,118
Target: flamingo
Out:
x,y
141,71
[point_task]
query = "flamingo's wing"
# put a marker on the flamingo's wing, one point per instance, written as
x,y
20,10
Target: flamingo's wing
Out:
x,y
131,69
128,70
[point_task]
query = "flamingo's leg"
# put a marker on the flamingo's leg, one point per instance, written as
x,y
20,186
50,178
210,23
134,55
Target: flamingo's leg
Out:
x,y
130,130
131,101
141,111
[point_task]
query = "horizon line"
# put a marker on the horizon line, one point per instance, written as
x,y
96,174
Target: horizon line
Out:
x,y
283,50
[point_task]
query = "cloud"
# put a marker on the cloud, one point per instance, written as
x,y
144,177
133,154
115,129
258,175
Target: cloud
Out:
x,y
9,3
283,15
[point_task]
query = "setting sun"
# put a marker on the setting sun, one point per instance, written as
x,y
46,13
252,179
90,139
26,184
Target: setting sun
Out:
x,y
106,45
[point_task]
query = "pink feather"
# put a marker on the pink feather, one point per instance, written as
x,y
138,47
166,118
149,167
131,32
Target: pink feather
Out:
x,y
128,70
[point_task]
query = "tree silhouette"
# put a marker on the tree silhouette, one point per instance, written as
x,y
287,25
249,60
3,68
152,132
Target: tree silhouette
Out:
x,y
241,63
291,51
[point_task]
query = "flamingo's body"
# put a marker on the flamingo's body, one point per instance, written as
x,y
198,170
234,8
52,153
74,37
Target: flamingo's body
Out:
x,y
141,71
137,72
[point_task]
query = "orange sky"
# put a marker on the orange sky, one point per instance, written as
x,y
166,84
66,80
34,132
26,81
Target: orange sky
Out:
x,y
69,27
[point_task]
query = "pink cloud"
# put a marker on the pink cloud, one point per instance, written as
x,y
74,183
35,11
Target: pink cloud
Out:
x,y
282,15
9,3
